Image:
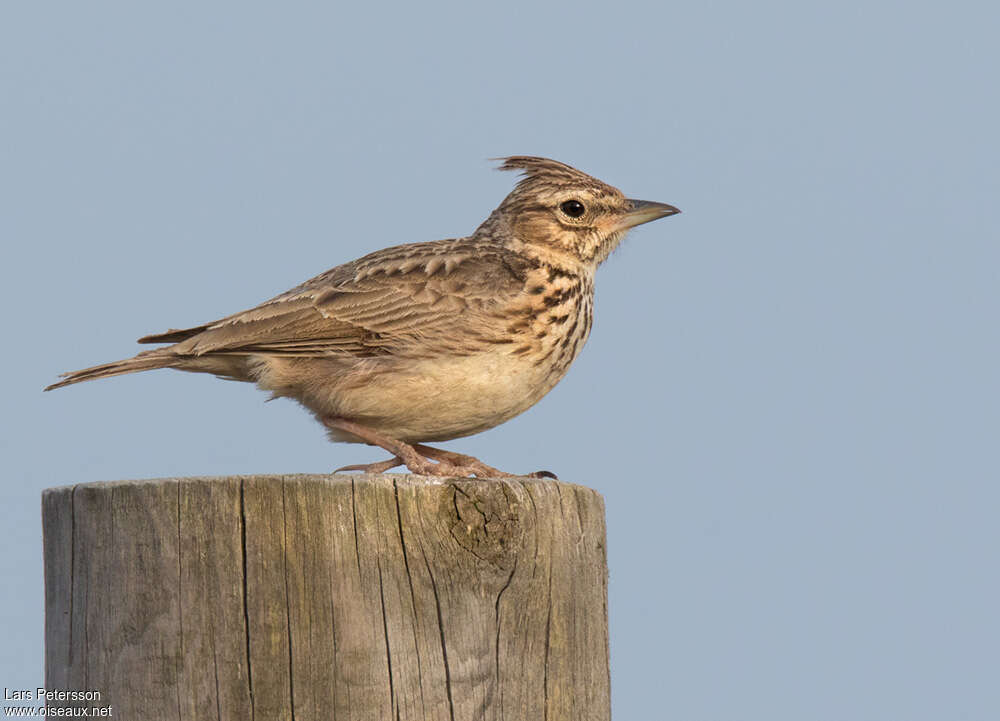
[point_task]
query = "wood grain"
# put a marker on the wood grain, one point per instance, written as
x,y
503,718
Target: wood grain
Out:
x,y
329,597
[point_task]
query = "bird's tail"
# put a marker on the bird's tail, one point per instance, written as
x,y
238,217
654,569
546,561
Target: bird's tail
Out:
x,y
145,361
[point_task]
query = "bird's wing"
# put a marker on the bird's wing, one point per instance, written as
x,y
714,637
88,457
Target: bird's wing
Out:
x,y
418,297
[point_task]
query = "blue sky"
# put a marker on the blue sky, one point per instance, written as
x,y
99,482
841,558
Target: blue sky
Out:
x,y
790,396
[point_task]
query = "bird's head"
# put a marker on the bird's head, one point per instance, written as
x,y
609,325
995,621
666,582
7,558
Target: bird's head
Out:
x,y
558,209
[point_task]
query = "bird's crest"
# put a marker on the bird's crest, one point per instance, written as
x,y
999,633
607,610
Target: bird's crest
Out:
x,y
543,169
543,174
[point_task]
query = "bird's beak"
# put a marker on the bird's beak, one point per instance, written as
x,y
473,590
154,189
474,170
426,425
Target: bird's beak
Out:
x,y
644,211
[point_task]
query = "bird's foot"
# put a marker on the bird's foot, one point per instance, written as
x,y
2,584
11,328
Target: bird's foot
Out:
x,y
459,463
426,467
471,465
433,463
418,458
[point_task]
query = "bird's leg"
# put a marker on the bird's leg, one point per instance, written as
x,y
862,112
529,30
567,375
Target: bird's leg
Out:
x,y
402,452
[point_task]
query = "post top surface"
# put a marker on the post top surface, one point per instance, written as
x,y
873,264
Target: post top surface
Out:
x,y
399,479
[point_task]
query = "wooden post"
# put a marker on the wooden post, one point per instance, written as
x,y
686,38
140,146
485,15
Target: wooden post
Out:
x,y
328,597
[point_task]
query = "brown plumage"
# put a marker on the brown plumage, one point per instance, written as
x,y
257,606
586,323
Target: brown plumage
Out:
x,y
427,341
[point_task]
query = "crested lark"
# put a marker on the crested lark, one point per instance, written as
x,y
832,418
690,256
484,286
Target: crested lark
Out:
x,y
427,341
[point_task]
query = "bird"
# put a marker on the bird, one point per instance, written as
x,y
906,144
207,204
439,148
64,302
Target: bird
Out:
x,y
428,341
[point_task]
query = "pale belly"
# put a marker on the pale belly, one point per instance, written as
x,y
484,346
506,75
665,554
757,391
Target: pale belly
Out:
x,y
417,400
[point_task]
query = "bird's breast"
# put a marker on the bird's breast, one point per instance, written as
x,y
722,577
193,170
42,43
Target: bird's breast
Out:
x,y
553,322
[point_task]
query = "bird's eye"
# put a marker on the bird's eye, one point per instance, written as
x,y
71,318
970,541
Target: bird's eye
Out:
x,y
573,208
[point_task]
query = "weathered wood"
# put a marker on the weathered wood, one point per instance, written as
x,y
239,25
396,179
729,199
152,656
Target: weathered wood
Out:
x,y
329,597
